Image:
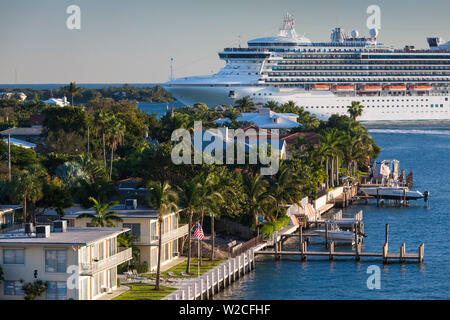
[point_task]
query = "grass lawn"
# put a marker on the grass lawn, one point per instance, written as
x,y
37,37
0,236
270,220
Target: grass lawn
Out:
x,y
178,269
143,291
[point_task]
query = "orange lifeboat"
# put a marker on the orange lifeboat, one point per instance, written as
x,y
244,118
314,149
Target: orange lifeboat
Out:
x,y
395,88
321,87
371,88
344,88
421,87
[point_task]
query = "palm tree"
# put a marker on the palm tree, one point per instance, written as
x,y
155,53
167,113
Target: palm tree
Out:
x,y
256,195
271,105
104,216
285,187
27,186
245,104
73,90
189,200
211,194
116,131
101,119
355,110
331,141
163,199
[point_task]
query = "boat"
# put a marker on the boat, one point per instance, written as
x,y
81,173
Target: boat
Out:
x,y
421,87
371,88
393,193
395,88
344,88
336,235
322,76
321,87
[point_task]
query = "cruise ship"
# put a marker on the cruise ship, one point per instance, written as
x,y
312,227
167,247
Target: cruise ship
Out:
x,y
325,77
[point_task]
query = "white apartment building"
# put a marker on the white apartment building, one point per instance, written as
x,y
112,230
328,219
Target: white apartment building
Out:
x,y
143,222
75,263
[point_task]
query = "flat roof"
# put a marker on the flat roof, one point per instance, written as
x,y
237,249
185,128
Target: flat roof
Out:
x,y
142,212
72,236
4,208
24,131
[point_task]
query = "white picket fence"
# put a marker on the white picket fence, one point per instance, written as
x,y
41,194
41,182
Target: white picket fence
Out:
x,y
211,282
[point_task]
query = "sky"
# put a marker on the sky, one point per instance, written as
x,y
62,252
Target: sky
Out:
x,y
132,41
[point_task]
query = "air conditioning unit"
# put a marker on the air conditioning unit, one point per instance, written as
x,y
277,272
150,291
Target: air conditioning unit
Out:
x,y
29,229
60,226
42,231
131,204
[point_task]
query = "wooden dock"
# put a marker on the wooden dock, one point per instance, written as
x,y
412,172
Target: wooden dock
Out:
x,y
213,281
401,257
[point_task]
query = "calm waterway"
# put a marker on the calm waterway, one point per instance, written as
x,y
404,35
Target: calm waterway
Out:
x,y
424,149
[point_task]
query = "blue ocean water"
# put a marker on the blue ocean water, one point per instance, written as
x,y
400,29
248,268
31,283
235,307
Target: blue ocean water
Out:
x,y
425,150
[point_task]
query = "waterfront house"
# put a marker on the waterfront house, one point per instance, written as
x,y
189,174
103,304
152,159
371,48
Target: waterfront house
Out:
x,y
253,135
29,134
58,102
75,263
266,119
143,223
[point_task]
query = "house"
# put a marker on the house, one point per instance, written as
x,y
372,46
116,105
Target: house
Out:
x,y
292,139
29,134
131,188
21,143
76,263
8,215
58,102
253,136
10,95
143,222
266,119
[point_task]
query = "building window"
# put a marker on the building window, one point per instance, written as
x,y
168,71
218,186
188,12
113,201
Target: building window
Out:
x,y
55,260
135,228
56,290
12,288
13,256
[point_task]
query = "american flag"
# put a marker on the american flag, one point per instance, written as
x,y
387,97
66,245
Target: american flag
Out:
x,y
198,233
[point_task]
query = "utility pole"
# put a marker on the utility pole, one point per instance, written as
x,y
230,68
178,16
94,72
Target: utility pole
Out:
x,y
9,157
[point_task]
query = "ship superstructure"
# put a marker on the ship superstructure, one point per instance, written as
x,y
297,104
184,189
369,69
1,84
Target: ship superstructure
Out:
x,y
325,77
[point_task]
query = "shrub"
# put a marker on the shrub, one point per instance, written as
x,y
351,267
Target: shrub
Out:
x,y
142,268
34,289
118,282
267,230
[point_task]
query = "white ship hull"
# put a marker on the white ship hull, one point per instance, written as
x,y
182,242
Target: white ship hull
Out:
x,y
323,104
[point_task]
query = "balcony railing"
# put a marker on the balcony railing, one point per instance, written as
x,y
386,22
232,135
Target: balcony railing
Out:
x,y
168,236
110,262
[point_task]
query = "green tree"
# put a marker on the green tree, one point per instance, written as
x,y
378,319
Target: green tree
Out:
x,y
104,216
355,110
256,196
73,90
163,199
27,187
116,131
245,104
189,199
102,119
